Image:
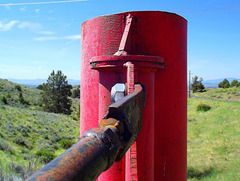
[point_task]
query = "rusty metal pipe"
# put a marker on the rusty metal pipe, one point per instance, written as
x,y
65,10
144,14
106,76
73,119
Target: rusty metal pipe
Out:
x,y
85,160
99,147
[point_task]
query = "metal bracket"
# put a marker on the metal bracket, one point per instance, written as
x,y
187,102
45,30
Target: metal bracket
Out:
x,y
122,51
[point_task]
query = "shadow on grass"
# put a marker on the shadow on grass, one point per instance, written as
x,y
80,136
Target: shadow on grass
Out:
x,y
195,173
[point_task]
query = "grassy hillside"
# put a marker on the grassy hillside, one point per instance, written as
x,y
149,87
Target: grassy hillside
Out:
x,y
213,141
29,137
230,94
11,92
25,134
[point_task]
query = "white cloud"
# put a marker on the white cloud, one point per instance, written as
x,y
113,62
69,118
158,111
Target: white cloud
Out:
x,y
37,11
32,3
31,26
22,9
46,32
7,26
46,38
73,37
34,27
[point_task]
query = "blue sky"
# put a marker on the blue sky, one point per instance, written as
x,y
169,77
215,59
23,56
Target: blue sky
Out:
x,y
38,36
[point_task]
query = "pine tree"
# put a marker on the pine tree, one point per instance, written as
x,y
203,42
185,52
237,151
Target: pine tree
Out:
x,y
224,84
56,92
197,85
234,83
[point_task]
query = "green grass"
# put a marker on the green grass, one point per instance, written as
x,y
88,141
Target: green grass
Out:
x,y
11,92
24,132
29,137
213,141
230,94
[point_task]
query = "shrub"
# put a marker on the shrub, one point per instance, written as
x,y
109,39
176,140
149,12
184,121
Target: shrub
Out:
x,y
48,145
66,143
22,100
1,134
19,139
40,87
24,150
23,129
4,99
17,168
4,146
203,107
54,136
18,87
9,126
234,91
27,156
45,156
191,120
196,174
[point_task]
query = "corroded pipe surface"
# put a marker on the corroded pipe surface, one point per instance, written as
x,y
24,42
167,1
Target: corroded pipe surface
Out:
x,y
85,160
99,147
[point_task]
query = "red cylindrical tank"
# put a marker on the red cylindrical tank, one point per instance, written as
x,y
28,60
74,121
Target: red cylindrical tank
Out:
x,y
154,37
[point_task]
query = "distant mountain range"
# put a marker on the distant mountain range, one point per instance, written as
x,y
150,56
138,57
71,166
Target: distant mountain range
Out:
x,y
214,83
36,82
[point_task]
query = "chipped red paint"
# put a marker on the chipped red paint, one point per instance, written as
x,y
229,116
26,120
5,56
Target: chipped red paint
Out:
x,y
130,77
162,143
131,155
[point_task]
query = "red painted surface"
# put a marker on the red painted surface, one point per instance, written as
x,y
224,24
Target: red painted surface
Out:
x,y
162,143
131,171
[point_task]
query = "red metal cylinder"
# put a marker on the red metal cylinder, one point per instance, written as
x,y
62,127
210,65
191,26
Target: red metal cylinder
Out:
x,y
153,36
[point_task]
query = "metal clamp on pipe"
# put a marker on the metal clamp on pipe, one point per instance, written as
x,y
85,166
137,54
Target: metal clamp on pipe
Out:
x,y
99,147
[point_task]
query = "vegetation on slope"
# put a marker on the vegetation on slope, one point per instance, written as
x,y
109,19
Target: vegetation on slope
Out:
x,y
12,91
213,141
29,137
230,94
25,134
